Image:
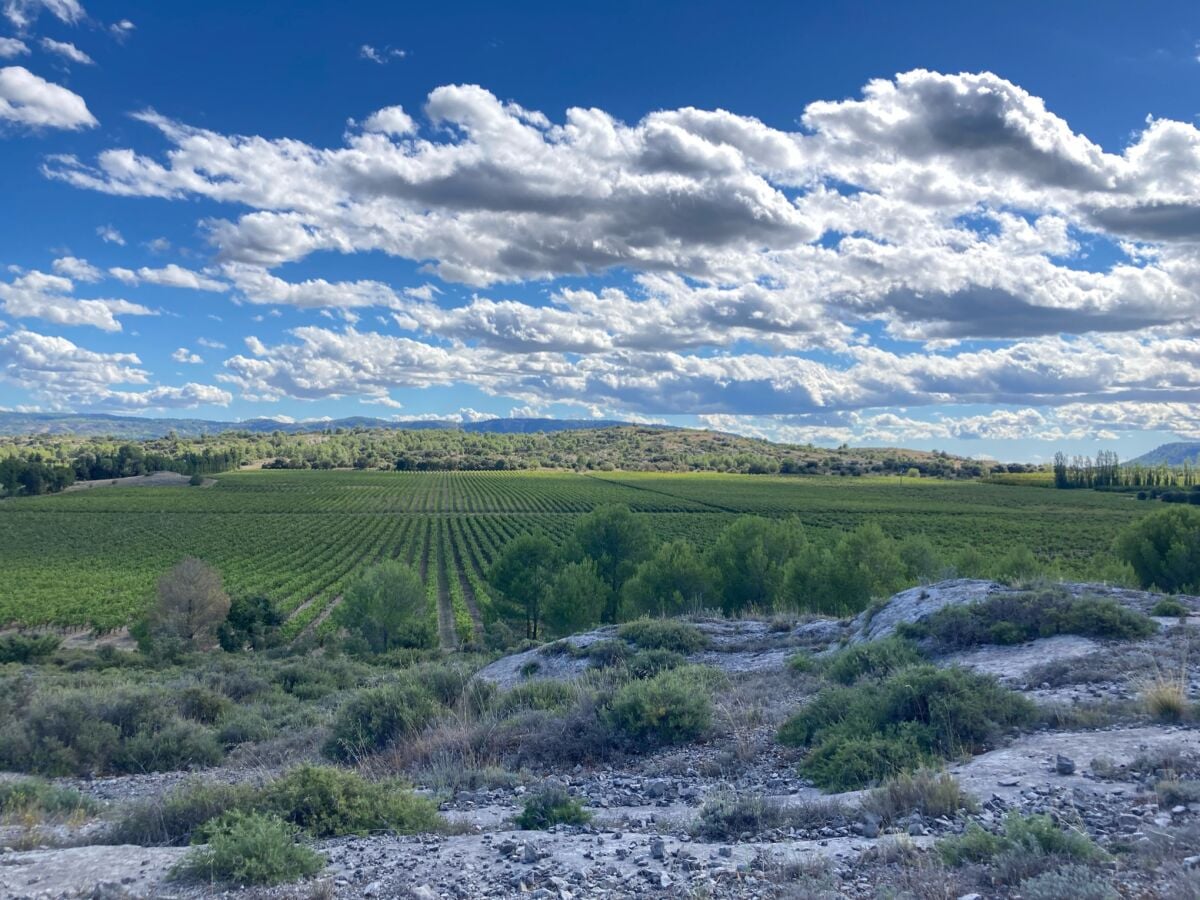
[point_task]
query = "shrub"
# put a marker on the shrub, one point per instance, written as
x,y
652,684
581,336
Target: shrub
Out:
x,y
877,659
551,806
385,608
250,848
546,694
1172,792
924,791
1014,618
27,648
328,802
173,818
664,634
32,797
1165,698
177,745
861,735
671,708
252,622
1169,607
1019,835
1164,549
648,663
191,605
606,654
375,718
201,704
1068,883
728,816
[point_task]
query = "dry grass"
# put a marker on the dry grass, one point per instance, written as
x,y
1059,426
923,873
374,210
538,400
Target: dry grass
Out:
x,y
1165,694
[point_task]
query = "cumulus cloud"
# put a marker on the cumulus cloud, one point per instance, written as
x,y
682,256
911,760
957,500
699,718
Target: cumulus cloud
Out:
x,y
110,235
37,295
63,375
76,269
755,271
67,51
169,276
31,101
184,355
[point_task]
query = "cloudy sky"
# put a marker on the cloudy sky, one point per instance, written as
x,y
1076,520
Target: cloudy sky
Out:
x,y
898,224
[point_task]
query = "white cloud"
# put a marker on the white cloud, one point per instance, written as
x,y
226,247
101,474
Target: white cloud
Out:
x,y
67,51
47,297
184,355
380,55
22,13
76,269
122,29
212,345
391,120
110,235
29,100
169,276
11,48
63,375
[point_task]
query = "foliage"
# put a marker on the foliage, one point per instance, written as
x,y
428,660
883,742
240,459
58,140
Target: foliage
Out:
x,y
329,802
1169,607
192,604
924,791
522,574
861,735
728,815
676,579
385,606
252,622
27,648
576,598
1164,550
1019,834
175,817
377,717
549,807
749,558
1014,618
672,707
1068,883
876,659
250,848
616,541
21,797
664,634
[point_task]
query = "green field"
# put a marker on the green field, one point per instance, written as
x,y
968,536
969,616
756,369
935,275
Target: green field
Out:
x,y
93,557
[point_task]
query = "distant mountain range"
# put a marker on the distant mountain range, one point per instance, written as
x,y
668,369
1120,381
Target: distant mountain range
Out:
x,y
1175,454
139,428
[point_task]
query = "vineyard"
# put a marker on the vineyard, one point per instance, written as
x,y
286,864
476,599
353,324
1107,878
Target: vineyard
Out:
x,y
299,537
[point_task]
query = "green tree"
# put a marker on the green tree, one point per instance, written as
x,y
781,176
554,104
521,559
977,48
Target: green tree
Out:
x,y
1164,549
616,540
523,574
575,599
749,558
386,606
192,604
675,580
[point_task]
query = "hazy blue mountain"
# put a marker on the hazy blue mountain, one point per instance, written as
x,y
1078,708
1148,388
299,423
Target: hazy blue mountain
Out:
x,y
1175,454
141,428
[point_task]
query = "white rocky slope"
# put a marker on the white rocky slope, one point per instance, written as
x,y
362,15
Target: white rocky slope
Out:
x,y
643,842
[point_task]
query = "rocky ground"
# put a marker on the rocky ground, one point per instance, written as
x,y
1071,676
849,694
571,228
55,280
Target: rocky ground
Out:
x,y
1089,765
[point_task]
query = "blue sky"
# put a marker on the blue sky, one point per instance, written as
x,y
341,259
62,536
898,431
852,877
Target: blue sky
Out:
x,y
910,224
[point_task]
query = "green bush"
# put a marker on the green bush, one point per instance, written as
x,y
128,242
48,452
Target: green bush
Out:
x,y
551,806
861,735
877,659
648,663
664,634
27,648
1068,883
200,704
1169,607
250,848
672,707
328,802
607,654
1164,550
30,796
546,694
375,718
1015,618
926,792
173,818
1019,835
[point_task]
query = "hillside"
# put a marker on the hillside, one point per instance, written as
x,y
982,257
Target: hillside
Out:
x,y
1174,454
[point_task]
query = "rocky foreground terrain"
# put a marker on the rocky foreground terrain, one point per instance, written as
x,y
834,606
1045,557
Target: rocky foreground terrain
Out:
x,y
1093,760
